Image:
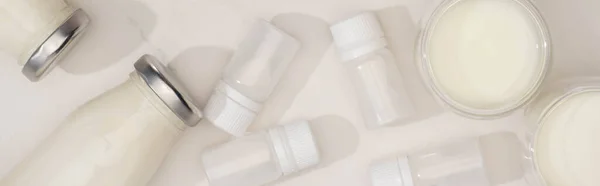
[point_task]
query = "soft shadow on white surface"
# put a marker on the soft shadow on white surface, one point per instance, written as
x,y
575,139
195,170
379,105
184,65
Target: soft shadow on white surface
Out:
x,y
334,147
575,34
504,157
117,28
401,33
199,69
314,35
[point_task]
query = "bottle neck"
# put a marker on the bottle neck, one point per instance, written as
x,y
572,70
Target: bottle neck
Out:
x,y
28,23
168,89
157,102
43,49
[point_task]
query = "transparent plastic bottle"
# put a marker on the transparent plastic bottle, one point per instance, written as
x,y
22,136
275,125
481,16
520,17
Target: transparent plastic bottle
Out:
x,y
262,157
250,77
120,138
37,32
362,47
494,159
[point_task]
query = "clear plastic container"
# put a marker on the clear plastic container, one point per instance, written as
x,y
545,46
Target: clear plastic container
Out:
x,y
563,132
494,159
372,67
250,77
36,32
262,157
119,138
484,58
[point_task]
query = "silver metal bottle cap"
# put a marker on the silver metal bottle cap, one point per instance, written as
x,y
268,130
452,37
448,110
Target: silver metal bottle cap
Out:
x,y
168,88
47,54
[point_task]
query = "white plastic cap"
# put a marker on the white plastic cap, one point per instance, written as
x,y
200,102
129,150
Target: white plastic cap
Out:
x,y
395,172
358,36
295,147
230,110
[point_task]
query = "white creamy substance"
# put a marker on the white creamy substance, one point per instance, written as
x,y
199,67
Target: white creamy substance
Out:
x,y
486,54
25,24
566,148
117,139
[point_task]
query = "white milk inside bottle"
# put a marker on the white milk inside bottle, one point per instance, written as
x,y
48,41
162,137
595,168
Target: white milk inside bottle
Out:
x,y
37,32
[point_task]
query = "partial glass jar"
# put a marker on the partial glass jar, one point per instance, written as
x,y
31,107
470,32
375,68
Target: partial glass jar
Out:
x,y
250,77
262,157
484,58
362,47
120,138
563,133
490,160
38,32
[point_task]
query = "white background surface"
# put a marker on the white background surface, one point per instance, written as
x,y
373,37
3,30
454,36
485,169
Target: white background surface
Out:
x,y
190,30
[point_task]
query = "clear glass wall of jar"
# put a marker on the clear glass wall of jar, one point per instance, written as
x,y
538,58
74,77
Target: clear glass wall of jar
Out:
x,y
484,58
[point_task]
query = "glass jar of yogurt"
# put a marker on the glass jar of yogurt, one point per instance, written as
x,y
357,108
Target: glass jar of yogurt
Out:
x,y
484,58
563,132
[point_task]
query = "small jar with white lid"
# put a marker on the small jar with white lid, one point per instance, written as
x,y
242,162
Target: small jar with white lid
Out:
x,y
38,32
119,138
263,157
484,58
489,160
563,132
250,77
361,45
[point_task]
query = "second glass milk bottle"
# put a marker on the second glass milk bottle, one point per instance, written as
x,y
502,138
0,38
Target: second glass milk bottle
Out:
x,y
362,48
38,32
118,139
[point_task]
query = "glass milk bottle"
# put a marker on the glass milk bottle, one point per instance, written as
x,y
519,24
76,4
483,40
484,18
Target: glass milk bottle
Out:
x,y
494,159
120,138
262,157
250,77
362,48
484,58
38,32
563,133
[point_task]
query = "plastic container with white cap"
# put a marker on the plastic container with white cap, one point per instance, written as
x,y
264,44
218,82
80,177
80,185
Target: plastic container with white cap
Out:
x,y
494,159
262,157
250,77
361,45
38,32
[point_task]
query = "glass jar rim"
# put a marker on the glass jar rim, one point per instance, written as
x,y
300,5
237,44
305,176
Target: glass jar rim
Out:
x,y
479,113
540,121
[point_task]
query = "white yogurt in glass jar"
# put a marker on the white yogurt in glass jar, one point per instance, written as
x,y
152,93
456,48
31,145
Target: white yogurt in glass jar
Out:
x,y
566,132
485,58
